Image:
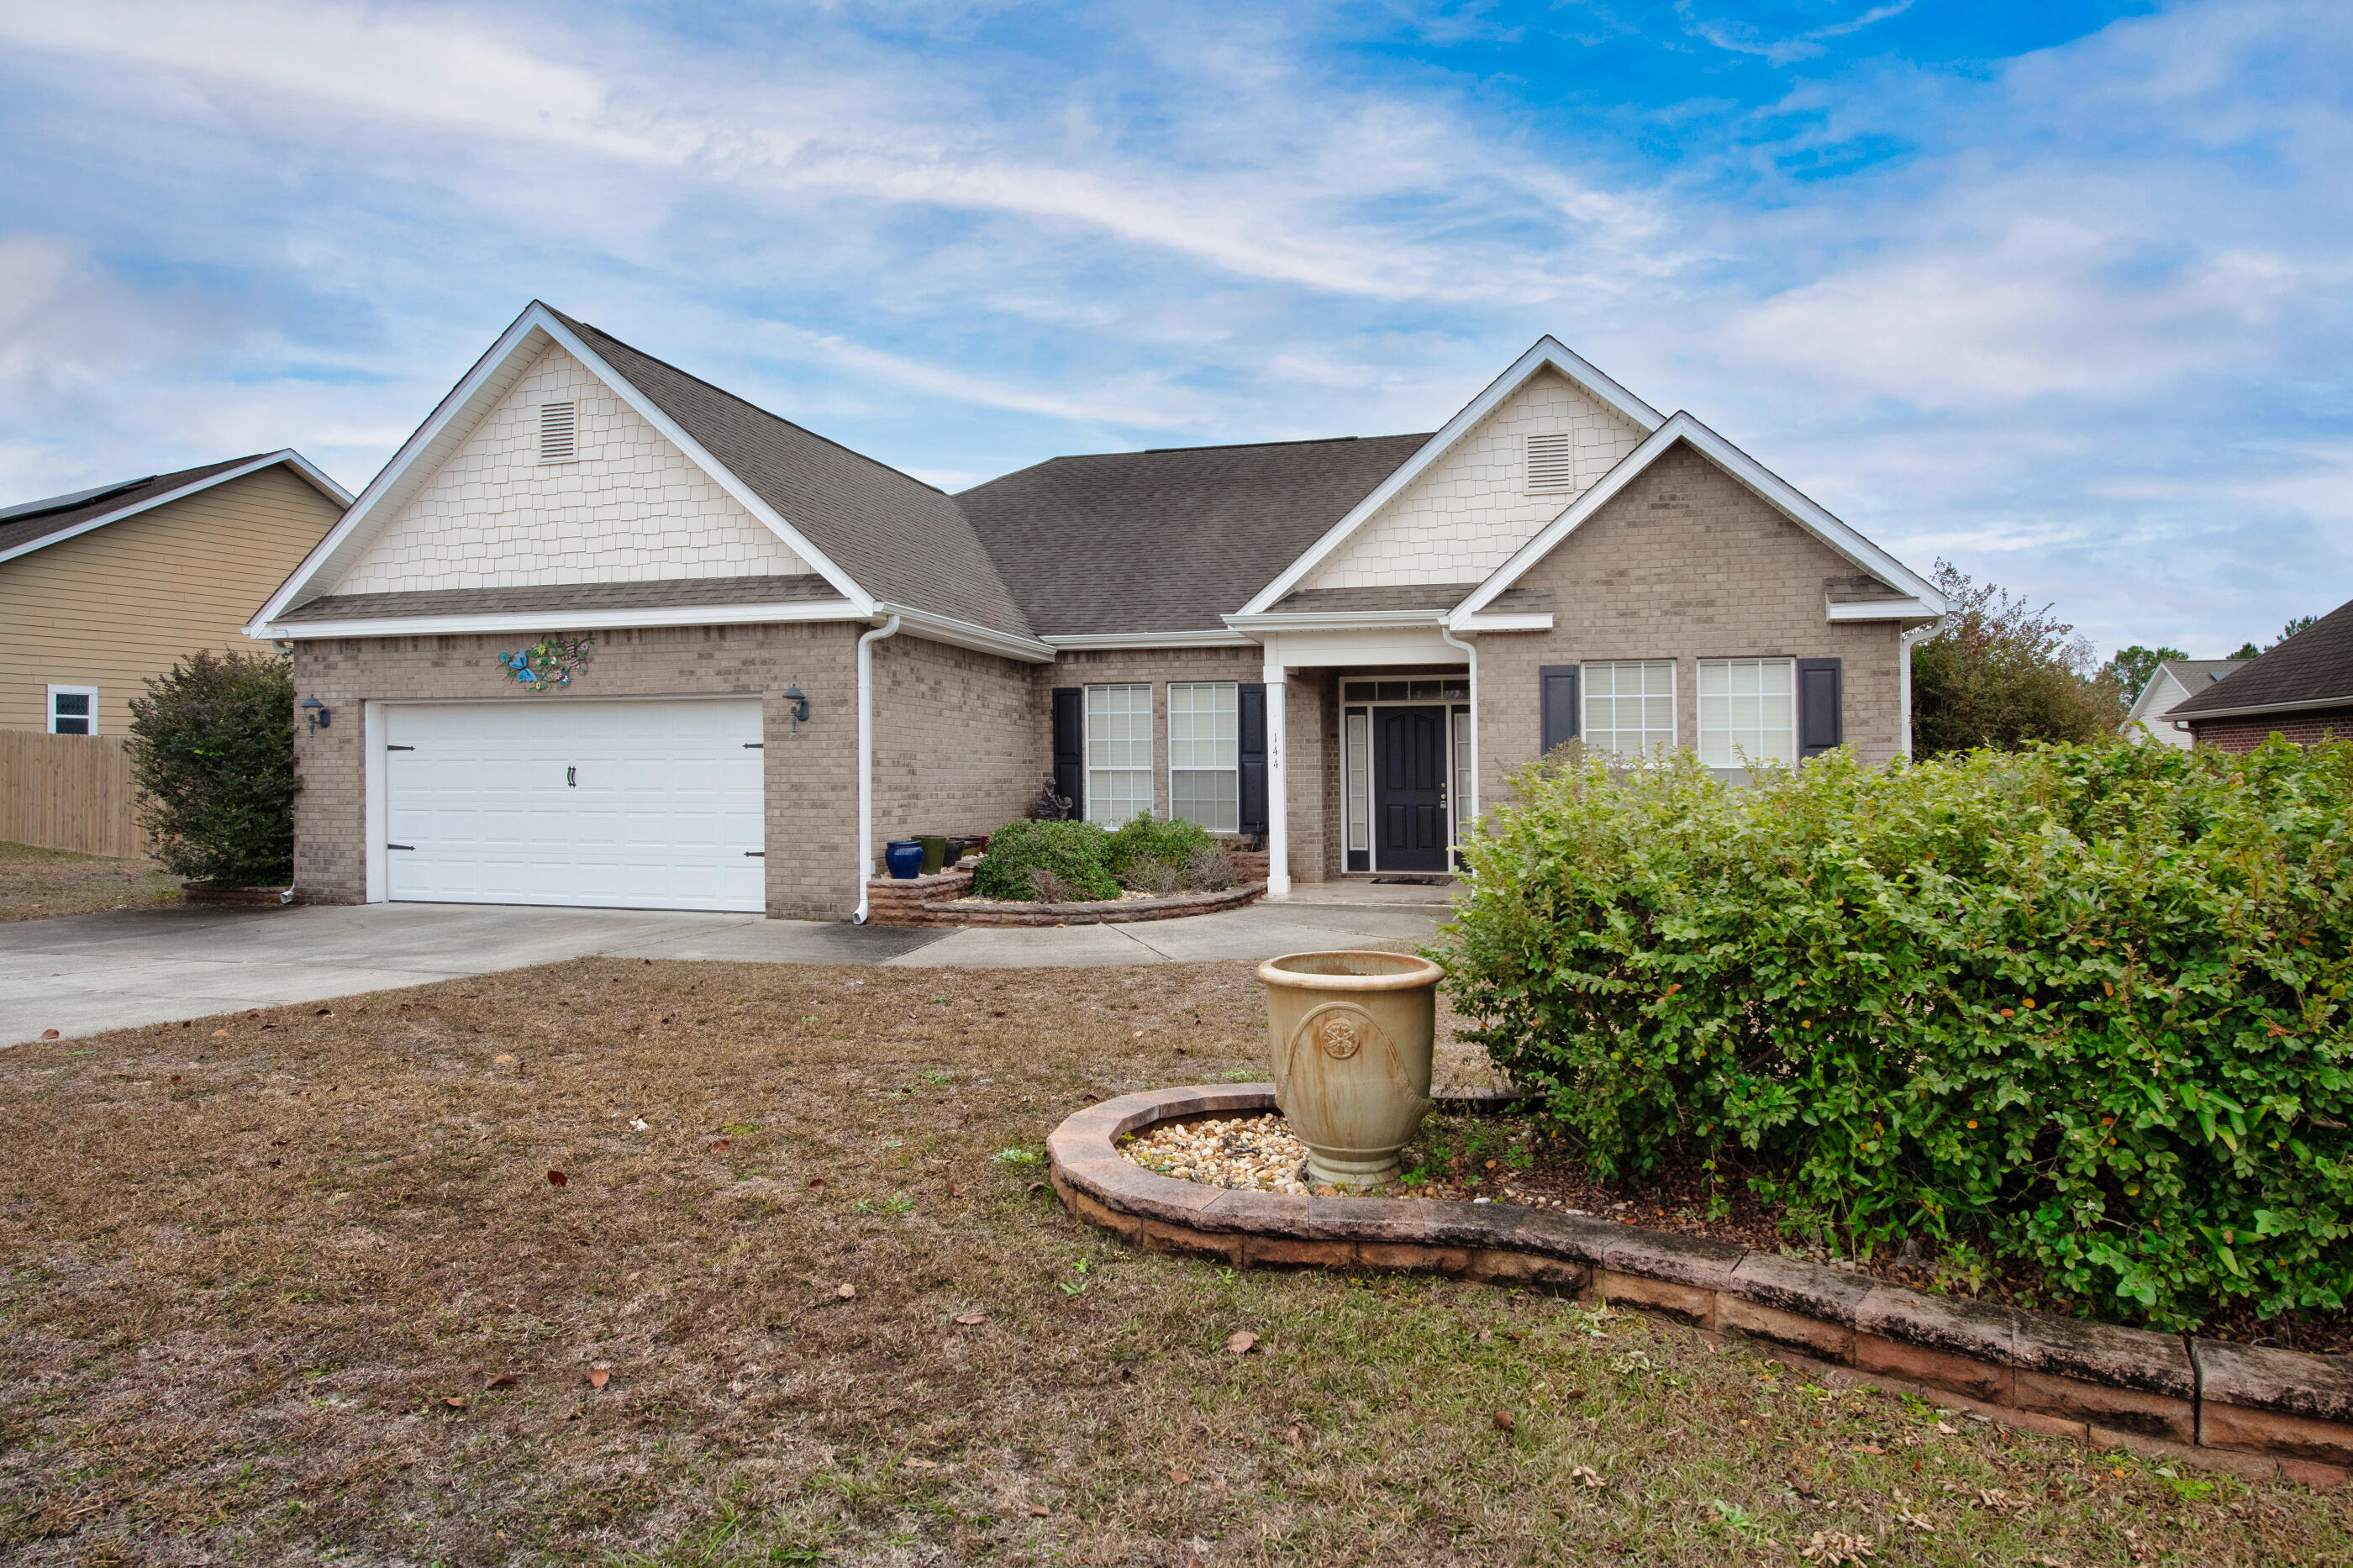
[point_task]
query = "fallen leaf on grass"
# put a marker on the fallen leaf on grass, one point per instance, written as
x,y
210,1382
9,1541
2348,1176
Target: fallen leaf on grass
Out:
x,y
1290,1435
219,1035
633,1276
1866,1448
954,1191
1502,1420
923,1464
1833,1547
817,1183
1917,1523
557,1178
1178,1478
453,1402
52,1034
599,1376
1946,1431
1239,1342
1589,1475
848,1292
1038,1511
503,1059
637,1124
969,1319
722,1145
503,1380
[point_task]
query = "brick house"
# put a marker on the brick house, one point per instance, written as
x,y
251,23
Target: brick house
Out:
x,y
788,653
2303,689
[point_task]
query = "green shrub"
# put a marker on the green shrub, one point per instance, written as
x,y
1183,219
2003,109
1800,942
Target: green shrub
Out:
x,y
211,747
2083,1004
1023,855
1140,842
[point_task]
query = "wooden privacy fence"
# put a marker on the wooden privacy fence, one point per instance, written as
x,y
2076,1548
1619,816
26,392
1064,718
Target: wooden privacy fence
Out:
x,y
68,792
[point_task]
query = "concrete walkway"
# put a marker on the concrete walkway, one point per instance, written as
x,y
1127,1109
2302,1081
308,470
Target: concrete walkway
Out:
x,y
87,973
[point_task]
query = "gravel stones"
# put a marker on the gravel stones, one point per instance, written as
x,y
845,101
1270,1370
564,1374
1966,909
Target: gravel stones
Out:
x,y
1255,1153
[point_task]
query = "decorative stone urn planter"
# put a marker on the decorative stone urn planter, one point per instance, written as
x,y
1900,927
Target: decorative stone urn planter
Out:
x,y
1352,1034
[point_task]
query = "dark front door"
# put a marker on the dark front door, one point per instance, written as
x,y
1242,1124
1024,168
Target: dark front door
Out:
x,y
1410,788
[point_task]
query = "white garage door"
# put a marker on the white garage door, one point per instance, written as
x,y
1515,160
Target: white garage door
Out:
x,y
645,805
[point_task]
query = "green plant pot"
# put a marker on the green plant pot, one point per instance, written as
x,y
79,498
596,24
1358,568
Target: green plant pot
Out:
x,y
935,853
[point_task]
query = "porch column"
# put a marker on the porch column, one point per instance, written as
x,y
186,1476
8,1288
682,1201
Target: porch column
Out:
x,y
1278,791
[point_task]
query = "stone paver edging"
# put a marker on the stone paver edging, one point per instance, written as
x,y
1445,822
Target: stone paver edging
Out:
x,y
2261,1413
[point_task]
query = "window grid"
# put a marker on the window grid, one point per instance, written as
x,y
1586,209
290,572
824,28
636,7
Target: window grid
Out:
x,y
1747,708
1119,753
1629,707
1204,753
73,710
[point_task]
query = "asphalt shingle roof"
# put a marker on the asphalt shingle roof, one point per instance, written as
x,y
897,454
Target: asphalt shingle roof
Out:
x,y
1169,541
898,538
30,522
805,589
2314,666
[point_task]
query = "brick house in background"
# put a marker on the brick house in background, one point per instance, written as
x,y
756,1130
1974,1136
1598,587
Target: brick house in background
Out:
x,y
2303,689
1341,647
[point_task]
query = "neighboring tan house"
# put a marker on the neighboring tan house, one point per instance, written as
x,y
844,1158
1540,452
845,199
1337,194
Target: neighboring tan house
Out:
x,y
2303,689
1343,647
2174,682
101,589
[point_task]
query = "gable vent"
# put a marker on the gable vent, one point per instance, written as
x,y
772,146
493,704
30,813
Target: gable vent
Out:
x,y
557,423
1552,467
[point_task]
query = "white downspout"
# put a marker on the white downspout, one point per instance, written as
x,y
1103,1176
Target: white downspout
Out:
x,y
1463,817
1903,642
866,759
1278,790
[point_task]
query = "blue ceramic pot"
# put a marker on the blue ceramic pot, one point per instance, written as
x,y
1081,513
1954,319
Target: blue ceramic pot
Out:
x,y
905,859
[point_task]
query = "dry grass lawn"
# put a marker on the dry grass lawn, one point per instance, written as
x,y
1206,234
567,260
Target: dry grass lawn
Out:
x,y
35,883
267,1278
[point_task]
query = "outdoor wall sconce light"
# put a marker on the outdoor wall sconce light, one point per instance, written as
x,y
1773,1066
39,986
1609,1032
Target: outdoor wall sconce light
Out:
x,y
321,716
796,706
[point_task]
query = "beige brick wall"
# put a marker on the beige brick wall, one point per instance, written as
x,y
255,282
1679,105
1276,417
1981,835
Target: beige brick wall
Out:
x,y
957,749
632,508
1305,710
1686,563
812,778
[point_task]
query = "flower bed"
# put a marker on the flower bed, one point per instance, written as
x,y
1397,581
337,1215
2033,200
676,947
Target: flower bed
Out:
x,y
943,900
2255,1411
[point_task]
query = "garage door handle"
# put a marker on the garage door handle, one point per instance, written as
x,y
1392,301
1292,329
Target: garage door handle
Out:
x,y
400,847
755,854
755,745
400,748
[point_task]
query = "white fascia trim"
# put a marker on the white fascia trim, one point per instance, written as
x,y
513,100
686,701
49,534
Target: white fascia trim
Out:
x,y
1083,641
519,340
558,621
1525,621
2257,710
1878,610
289,457
1769,487
1548,350
965,634
1333,620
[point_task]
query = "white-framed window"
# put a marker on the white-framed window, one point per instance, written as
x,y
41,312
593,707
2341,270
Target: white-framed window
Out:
x,y
1629,707
1204,780
1359,744
73,710
1461,804
559,431
1119,752
1551,464
1747,707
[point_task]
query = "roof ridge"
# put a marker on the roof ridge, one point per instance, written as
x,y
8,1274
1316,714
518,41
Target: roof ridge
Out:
x,y
579,325
1239,446
25,510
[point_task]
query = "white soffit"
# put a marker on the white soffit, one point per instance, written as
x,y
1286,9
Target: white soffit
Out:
x,y
1926,602
1548,352
446,428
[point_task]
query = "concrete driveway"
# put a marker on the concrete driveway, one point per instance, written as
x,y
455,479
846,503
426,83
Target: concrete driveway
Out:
x,y
87,973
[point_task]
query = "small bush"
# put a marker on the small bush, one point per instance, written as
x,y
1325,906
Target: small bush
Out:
x,y
1072,852
2083,1004
1141,840
211,747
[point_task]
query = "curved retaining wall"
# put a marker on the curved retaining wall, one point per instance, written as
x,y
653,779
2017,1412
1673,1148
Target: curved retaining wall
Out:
x,y
939,899
2262,1413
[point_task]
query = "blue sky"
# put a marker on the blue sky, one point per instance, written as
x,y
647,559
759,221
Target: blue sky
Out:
x,y
2056,291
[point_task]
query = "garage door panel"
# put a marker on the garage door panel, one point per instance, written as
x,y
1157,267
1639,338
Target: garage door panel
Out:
x,y
666,799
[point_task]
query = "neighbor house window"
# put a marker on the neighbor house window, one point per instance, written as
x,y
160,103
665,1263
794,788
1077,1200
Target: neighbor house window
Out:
x,y
73,710
1747,710
1119,752
1629,707
1204,754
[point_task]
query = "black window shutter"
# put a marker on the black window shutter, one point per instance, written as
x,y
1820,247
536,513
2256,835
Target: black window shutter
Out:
x,y
1252,753
1559,704
1070,746
1821,724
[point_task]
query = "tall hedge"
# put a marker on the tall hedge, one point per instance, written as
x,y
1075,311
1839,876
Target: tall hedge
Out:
x,y
2083,1004
212,748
